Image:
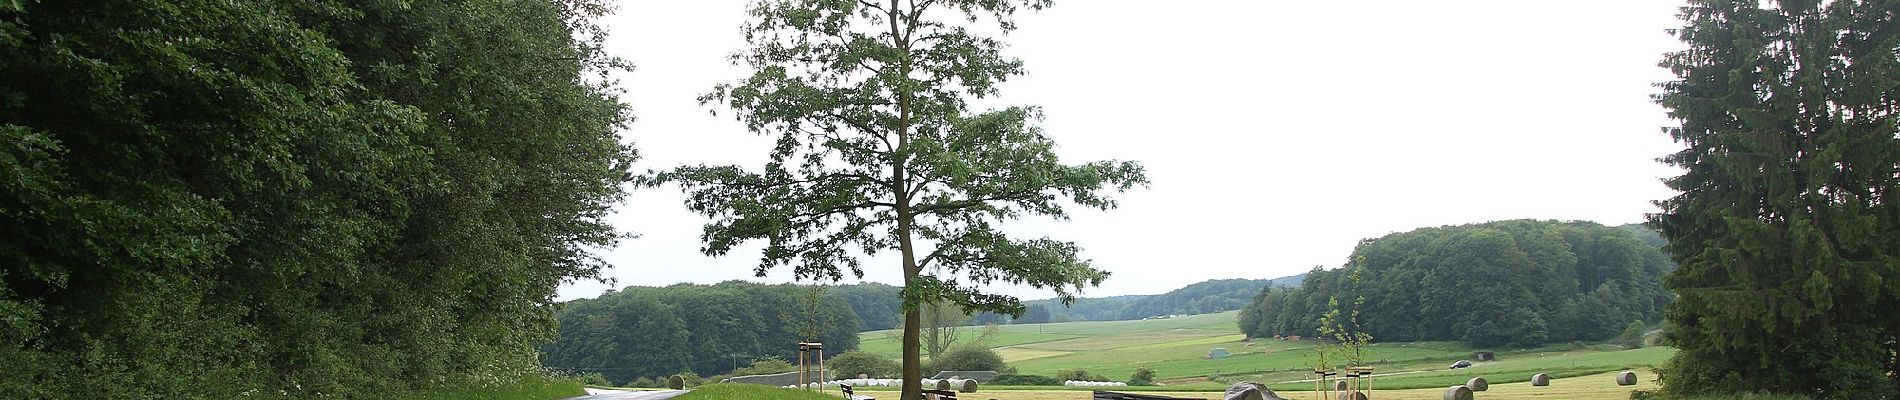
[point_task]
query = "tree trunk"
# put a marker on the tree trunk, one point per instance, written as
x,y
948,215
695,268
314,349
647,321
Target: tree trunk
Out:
x,y
913,362
913,324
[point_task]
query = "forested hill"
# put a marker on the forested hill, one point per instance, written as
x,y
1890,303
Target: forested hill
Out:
x,y
658,331
1200,298
1519,283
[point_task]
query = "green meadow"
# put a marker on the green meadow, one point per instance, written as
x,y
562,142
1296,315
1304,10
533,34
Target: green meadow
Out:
x,y
1177,350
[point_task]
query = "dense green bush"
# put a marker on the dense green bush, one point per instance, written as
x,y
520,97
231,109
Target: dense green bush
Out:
x,y
969,357
765,366
594,378
1633,334
1143,376
852,363
659,331
1024,380
200,199
1078,374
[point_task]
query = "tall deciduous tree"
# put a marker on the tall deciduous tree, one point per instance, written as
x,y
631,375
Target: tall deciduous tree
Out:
x,y
878,150
1786,227
203,199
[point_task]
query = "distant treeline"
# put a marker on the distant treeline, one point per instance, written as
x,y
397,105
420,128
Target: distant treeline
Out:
x,y
877,306
1200,298
645,332
1518,283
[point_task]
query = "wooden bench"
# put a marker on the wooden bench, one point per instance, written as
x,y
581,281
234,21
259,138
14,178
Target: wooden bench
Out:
x,y
935,394
848,395
1107,395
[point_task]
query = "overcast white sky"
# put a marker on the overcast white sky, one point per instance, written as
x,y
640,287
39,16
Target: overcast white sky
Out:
x,y
1277,133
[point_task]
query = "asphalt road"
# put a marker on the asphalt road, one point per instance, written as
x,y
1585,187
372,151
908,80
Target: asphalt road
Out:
x,y
605,394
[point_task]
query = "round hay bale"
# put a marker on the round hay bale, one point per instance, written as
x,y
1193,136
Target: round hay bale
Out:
x,y
864,376
966,386
1249,391
1478,384
1459,392
675,382
1540,380
943,384
1626,378
1353,395
1341,386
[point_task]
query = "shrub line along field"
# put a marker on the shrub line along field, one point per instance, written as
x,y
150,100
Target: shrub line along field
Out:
x,y
1177,348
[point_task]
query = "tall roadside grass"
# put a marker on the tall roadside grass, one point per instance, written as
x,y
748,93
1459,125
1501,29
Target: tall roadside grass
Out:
x,y
533,387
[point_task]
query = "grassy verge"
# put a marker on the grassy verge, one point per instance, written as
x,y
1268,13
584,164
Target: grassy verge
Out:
x,y
734,391
533,388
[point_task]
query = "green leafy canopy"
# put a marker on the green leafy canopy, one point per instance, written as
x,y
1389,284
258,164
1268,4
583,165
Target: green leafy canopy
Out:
x,y
1785,226
877,147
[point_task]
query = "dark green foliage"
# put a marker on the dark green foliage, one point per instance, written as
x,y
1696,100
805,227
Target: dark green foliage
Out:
x,y
1034,314
1199,298
359,200
1647,235
1209,296
1519,283
1143,376
1078,374
656,331
1633,334
1024,380
526,388
1112,308
1786,225
876,304
765,366
990,318
595,379
852,363
969,357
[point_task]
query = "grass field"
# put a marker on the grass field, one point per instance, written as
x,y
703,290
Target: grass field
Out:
x,y
1176,349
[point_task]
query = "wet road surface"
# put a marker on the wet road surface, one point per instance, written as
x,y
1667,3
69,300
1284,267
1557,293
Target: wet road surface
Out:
x,y
608,394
